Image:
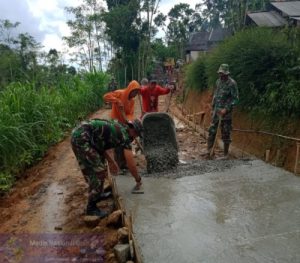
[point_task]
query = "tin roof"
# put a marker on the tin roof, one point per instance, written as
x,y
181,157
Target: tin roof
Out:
x,y
290,8
219,34
268,19
204,41
198,41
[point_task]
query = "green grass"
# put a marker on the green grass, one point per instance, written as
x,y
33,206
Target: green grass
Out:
x,y
31,120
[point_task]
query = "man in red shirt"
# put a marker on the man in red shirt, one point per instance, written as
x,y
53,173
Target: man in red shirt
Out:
x,y
150,95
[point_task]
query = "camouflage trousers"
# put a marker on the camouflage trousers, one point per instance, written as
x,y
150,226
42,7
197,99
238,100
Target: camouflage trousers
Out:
x,y
92,165
226,128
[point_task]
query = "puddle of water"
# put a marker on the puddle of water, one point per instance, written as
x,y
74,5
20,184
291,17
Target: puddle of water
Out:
x,y
53,209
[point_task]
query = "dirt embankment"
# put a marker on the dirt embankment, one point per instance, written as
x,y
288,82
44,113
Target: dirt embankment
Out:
x,y
251,142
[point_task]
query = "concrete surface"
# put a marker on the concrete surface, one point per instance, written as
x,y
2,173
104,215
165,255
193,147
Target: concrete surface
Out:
x,y
246,212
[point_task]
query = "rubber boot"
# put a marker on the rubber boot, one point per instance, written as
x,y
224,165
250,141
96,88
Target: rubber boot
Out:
x,y
226,149
93,210
210,144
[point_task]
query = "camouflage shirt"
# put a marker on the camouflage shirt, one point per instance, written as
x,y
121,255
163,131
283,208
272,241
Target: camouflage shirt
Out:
x,y
103,134
225,97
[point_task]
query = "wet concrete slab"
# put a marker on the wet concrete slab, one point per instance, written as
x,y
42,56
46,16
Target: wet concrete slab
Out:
x,y
245,212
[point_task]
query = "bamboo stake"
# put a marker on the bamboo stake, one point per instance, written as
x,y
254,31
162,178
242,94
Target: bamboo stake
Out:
x,y
277,157
195,121
130,227
267,158
297,158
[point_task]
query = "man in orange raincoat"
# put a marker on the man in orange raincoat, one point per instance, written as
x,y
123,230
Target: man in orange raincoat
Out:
x,y
123,102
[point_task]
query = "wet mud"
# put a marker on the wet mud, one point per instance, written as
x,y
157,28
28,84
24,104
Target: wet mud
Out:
x,y
159,142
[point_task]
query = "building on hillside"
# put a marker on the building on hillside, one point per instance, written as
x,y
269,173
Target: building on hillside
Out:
x,y
278,14
203,41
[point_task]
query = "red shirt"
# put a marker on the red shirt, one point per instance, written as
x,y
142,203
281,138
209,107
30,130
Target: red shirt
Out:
x,y
150,97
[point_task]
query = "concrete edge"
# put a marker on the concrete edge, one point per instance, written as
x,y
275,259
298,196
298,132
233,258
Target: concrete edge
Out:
x,y
126,220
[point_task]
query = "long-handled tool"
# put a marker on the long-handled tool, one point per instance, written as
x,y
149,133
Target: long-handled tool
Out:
x,y
169,102
215,140
141,105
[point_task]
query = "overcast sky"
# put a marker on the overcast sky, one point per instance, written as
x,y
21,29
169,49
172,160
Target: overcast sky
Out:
x,y
45,20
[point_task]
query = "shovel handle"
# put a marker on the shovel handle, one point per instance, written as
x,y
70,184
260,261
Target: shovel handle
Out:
x,y
169,103
215,141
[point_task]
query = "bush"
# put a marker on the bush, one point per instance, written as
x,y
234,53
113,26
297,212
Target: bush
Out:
x,y
196,75
261,60
31,120
266,65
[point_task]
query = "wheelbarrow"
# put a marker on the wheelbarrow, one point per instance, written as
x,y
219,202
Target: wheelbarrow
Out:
x,y
159,142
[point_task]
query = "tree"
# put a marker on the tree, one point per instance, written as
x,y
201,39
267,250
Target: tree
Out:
x,y
148,30
6,32
182,23
87,33
122,28
161,51
230,13
18,54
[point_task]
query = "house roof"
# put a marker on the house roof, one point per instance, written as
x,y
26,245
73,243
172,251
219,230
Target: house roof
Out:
x,y
219,34
203,41
267,19
198,41
290,8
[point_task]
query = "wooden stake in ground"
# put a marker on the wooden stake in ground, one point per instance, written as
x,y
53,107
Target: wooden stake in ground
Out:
x,y
267,156
297,158
169,103
216,138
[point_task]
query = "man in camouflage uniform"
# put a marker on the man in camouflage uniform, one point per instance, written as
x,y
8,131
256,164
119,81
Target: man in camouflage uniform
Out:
x,y
92,143
225,97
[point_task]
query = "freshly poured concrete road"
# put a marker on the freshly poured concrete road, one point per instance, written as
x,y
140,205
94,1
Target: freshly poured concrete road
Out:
x,y
247,212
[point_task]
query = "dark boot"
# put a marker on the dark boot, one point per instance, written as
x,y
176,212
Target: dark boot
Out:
x,y
93,210
226,149
102,196
210,143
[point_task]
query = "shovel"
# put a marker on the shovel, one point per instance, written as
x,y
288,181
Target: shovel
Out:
x,y
169,103
216,137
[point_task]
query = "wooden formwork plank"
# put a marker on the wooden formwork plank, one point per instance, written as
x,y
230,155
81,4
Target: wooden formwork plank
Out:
x,y
297,158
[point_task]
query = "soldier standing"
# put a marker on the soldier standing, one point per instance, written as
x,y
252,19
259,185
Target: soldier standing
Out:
x,y
225,97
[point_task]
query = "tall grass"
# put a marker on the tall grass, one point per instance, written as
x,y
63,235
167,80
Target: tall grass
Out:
x,y
31,120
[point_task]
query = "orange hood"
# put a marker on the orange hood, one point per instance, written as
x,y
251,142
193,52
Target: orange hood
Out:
x,y
121,97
